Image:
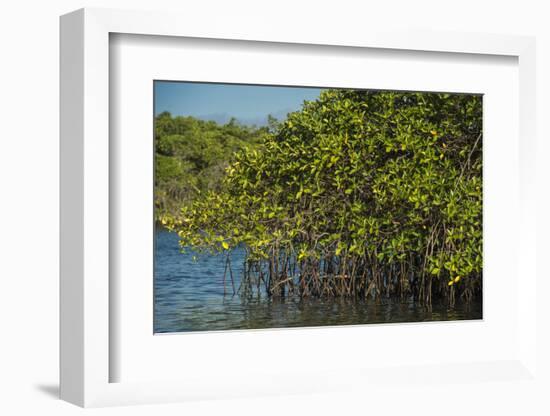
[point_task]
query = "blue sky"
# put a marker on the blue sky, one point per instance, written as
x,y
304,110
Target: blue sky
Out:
x,y
250,104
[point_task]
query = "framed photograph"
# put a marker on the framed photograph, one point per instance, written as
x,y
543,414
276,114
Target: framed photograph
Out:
x,y
265,213
280,207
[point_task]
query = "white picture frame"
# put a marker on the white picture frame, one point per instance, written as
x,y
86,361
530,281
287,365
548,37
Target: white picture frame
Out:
x,y
86,356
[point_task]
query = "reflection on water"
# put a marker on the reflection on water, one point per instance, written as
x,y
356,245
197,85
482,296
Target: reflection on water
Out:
x,y
189,296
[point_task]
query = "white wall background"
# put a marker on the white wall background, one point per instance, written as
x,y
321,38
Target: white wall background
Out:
x,y
29,202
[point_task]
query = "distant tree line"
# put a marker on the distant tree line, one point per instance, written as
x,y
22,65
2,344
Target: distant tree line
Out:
x,y
191,156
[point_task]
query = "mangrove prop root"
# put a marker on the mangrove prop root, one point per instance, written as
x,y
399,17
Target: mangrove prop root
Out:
x,y
284,275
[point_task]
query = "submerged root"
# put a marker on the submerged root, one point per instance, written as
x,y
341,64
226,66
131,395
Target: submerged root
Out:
x,y
284,276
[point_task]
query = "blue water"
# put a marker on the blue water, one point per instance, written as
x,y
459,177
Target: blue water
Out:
x,y
189,296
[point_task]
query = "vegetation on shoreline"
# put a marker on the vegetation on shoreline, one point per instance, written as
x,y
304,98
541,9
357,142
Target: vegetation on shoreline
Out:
x,y
361,193
191,156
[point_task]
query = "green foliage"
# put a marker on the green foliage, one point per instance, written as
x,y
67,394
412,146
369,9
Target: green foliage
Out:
x,y
191,156
359,193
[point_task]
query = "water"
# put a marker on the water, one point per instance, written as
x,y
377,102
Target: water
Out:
x,y
189,296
